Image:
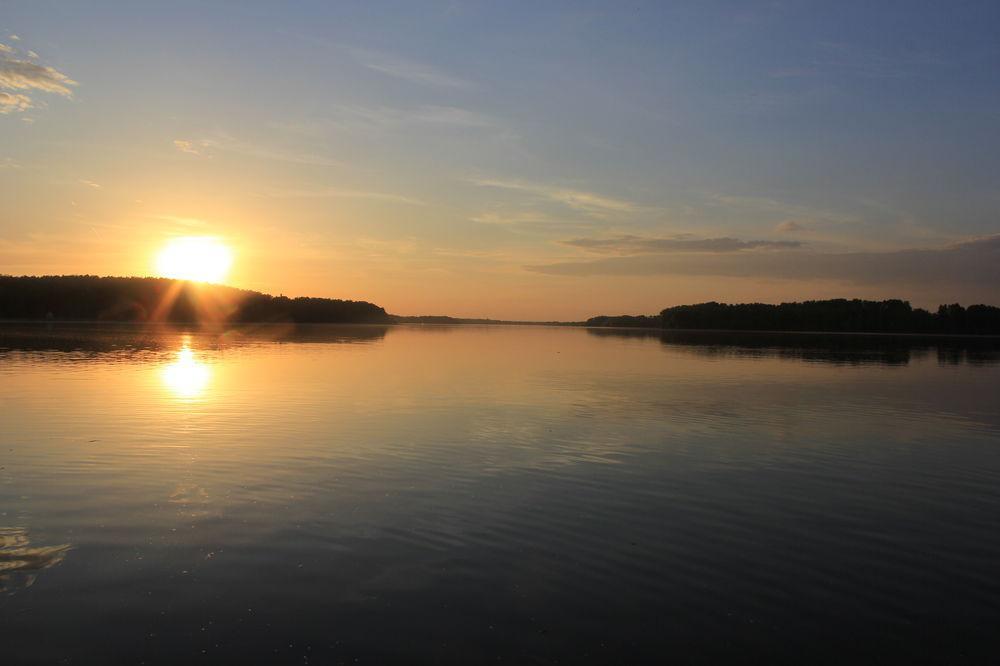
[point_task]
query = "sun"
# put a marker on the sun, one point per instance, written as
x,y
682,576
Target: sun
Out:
x,y
196,258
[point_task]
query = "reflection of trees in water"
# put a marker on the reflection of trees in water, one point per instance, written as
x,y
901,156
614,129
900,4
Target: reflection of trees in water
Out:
x,y
838,349
970,356
20,562
128,340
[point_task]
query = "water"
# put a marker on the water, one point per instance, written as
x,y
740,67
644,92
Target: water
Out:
x,y
484,494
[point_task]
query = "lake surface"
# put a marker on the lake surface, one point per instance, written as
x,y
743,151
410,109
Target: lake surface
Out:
x,y
495,494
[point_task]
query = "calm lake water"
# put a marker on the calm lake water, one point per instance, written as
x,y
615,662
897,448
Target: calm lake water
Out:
x,y
482,494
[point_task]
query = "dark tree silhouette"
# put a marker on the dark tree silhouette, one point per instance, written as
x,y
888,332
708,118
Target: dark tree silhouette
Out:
x,y
836,315
87,297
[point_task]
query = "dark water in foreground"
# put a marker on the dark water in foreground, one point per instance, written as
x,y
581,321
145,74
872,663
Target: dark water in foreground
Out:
x,y
470,495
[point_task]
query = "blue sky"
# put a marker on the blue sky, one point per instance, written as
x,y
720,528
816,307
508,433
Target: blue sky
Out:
x,y
527,160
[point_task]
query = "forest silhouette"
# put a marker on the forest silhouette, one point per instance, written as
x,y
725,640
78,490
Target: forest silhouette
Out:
x,y
144,299
834,315
86,297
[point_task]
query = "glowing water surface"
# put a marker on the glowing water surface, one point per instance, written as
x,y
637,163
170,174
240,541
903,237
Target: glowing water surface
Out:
x,y
474,494
187,377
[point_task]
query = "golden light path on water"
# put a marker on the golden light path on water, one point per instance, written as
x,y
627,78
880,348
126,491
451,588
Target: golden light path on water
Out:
x,y
187,377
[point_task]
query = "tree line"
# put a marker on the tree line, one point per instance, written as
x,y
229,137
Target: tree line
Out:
x,y
835,315
88,297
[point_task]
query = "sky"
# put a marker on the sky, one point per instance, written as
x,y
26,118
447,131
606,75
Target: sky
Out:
x,y
516,160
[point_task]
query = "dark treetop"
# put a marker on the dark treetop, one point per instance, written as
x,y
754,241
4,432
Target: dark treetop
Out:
x,y
87,297
836,315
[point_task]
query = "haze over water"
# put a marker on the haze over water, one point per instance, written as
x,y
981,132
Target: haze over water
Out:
x,y
474,494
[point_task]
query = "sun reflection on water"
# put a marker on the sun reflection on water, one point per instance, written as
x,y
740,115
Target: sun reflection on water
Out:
x,y
187,377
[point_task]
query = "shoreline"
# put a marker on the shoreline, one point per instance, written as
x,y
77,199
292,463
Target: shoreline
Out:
x,y
581,325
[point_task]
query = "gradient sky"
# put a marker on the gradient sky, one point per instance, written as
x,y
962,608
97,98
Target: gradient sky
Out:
x,y
515,160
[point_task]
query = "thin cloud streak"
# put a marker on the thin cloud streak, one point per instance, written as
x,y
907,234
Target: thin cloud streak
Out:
x,y
630,245
228,144
862,62
971,264
407,70
387,117
588,202
334,193
780,209
451,115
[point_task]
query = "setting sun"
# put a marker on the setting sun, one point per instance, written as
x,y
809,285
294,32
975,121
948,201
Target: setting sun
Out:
x,y
197,258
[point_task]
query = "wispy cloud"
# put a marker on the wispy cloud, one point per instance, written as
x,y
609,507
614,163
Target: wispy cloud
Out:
x,y
451,115
515,218
186,146
972,266
27,77
14,102
335,193
387,117
631,245
90,183
532,222
854,60
875,64
225,143
581,200
780,210
188,222
788,227
407,70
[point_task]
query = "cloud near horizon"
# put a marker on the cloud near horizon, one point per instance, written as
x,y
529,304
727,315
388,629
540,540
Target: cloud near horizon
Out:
x,y
972,263
632,245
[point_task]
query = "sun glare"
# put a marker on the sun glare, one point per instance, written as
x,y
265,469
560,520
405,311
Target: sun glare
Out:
x,y
186,377
197,258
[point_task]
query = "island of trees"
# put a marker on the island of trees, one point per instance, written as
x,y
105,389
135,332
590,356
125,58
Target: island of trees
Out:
x,y
836,315
86,297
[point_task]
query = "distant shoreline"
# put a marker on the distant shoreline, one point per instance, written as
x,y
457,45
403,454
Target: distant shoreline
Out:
x,y
89,298
633,330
